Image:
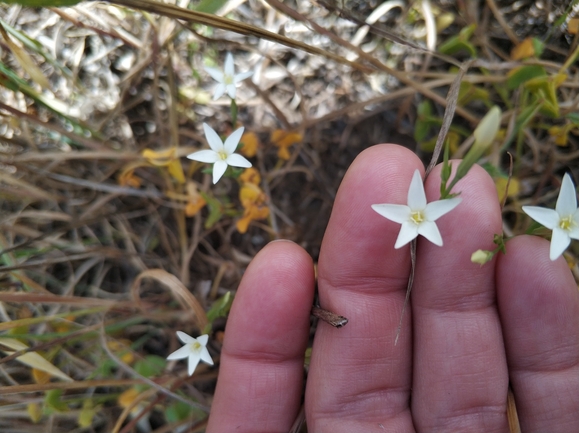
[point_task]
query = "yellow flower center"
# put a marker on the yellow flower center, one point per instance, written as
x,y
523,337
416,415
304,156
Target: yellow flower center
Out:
x,y
222,155
228,79
566,223
195,347
417,217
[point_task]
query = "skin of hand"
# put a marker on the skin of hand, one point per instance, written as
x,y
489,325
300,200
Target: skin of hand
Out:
x,y
470,329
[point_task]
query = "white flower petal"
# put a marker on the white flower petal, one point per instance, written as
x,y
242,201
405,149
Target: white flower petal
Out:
x,y
193,362
408,232
232,141
213,139
209,156
218,169
436,209
219,91
547,217
573,232
203,339
205,356
416,194
237,160
182,352
231,90
216,73
560,240
184,337
567,200
242,76
229,67
429,230
398,213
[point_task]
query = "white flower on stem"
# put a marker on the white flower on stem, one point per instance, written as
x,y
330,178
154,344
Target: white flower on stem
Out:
x,y
227,78
221,154
417,218
195,350
564,220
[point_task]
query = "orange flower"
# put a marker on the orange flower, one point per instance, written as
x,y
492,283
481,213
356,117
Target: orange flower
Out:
x,y
561,133
252,199
523,50
250,175
196,202
250,214
126,398
40,377
127,176
250,144
283,140
166,158
122,348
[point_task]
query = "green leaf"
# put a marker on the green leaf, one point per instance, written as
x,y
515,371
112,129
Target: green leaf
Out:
x,y
42,3
460,42
151,366
523,74
220,308
423,121
538,47
234,112
209,6
53,402
469,92
215,210
177,411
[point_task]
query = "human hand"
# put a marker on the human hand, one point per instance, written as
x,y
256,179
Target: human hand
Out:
x,y
470,329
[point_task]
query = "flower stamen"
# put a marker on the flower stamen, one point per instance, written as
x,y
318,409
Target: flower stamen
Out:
x,y
417,217
566,223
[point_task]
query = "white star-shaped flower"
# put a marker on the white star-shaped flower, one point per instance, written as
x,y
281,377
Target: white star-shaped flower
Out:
x,y
417,218
564,220
221,154
195,349
227,78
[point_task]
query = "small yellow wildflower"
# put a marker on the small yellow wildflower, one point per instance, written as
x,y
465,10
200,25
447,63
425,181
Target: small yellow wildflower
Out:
x,y
561,133
166,158
523,50
283,140
501,184
127,176
250,175
196,202
252,199
250,143
40,377
122,349
127,398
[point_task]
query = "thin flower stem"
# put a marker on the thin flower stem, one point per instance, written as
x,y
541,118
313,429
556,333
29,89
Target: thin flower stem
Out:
x,y
408,287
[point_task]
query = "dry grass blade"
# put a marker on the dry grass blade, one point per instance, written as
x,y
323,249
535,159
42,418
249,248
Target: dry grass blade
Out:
x,y
176,12
179,291
451,103
85,384
403,78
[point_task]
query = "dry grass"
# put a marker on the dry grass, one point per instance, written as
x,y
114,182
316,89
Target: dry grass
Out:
x,y
100,263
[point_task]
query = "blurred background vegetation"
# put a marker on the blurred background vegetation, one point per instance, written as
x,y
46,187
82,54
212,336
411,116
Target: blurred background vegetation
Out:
x,y
111,240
